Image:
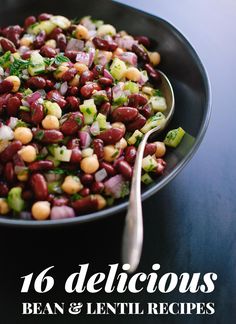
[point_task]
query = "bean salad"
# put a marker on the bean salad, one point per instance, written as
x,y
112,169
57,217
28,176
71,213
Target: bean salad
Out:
x,y
76,98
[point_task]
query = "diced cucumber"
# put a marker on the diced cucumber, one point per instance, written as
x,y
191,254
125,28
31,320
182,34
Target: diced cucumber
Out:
x,y
132,87
89,111
55,187
51,148
174,137
52,108
54,160
102,122
45,25
118,69
36,65
146,179
120,100
137,136
24,108
62,154
149,163
158,103
61,22
153,121
15,200
100,97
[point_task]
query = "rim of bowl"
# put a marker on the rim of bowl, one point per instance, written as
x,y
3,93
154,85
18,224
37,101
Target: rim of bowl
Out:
x,y
158,186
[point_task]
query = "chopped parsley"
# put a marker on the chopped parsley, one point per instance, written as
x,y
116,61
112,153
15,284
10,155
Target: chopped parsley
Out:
x,y
21,123
138,140
125,189
158,93
5,59
39,135
58,60
76,197
78,120
18,66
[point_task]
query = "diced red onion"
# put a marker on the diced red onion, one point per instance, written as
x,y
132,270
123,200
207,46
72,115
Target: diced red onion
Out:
x,y
85,139
108,75
12,122
95,129
114,186
87,22
64,88
125,42
144,78
130,58
100,175
42,93
75,45
33,97
117,91
92,52
25,103
83,58
6,133
60,212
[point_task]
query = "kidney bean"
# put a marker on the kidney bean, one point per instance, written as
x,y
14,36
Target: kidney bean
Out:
x,y
146,111
61,41
13,105
29,21
141,53
40,39
160,167
136,100
130,154
104,45
86,76
125,169
109,168
41,165
56,31
154,74
44,16
106,82
25,116
73,102
26,55
49,136
105,109
98,148
37,112
7,154
71,55
143,40
6,86
73,91
27,195
138,123
98,71
88,89
85,204
49,85
111,136
76,155
9,172
13,33
36,82
73,143
124,114
17,160
117,161
150,149
69,74
62,201
55,96
97,187
84,192
3,189
48,51
39,186
7,45
87,179
73,124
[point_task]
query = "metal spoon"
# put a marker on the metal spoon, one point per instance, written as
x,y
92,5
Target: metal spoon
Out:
x,y
133,231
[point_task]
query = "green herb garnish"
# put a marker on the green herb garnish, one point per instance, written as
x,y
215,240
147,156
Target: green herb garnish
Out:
x,y
76,197
18,66
39,135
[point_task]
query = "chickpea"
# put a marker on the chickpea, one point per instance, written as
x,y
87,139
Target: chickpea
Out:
x,y
101,201
16,82
4,207
80,67
110,153
87,152
160,149
61,70
23,176
90,164
71,185
41,210
50,122
122,144
119,51
147,90
51,43
108,55
106,30
75,81
81,32
26,41
23,134
28,153
119,125
155,58
133,74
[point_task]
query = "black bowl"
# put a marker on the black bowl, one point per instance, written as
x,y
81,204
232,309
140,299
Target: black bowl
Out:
x,y
179,61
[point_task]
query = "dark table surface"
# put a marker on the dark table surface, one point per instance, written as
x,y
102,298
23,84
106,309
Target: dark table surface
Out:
x,y
190,225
